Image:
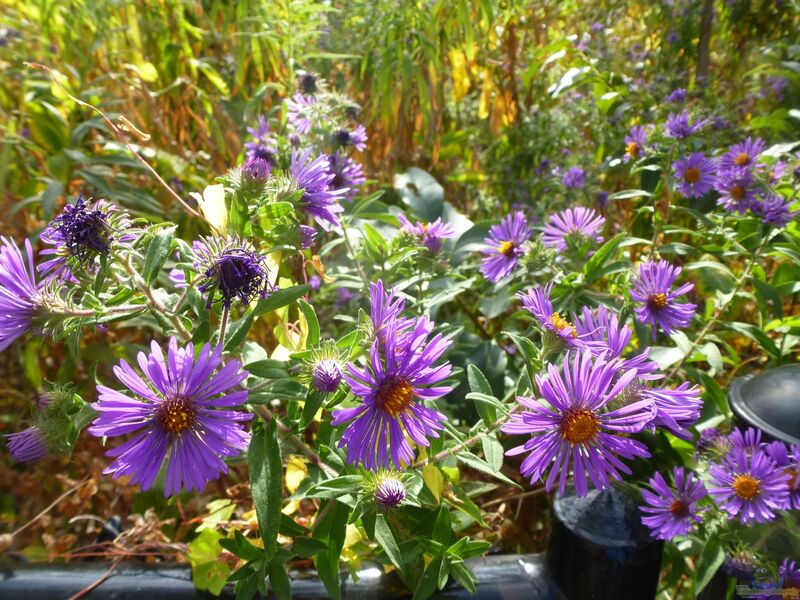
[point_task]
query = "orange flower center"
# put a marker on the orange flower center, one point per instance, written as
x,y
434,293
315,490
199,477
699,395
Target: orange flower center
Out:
x,y
632,148
506,249
691,175
657,301
746,486
742,159
176,414
560,323
579,426
737,192
394,396
679,508
794,476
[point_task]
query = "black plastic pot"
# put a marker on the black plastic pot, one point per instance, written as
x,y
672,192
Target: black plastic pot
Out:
x,y
599,548
769,401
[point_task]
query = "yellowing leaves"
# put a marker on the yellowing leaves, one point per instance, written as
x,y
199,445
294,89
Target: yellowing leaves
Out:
x,y
461,81
434,480
296,472
212,205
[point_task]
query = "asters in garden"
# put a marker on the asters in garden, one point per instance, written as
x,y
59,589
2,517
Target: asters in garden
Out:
x,y
386,308
182,411
505,246
231,268
635,143
348,174
429,234
574,178
574,431
600,331
537,302
774,210
790,576
680,127
787,458
736,190
20,299
743,155
399,376
749,487
672,511
28,445
572,227
677,96
676,408
314,178
261,155
659,308
695,175
299,112
356,138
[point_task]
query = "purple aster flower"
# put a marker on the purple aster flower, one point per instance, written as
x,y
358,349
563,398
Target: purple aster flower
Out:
x,y
307,236
574,178
261,155
676,408
537,302
574,431
671,512
314,178
743,155
19,292
679,127
790,574
80,231
232,268
750,487
28,445
348,174
181,412
677,96
695,174
429,234
385,309
600,331
602,199
326,375
787,458
774,210
748,440
298,112
741,564
736,190
709,438
659,308
315,282
400,374
357,138
505,246
343,297
635,143
390,493
307,82
572,228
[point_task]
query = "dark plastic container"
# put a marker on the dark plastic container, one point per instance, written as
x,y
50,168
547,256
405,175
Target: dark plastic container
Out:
x,y
769,401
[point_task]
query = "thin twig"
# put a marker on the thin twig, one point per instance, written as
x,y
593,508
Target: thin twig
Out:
x,y
223,326
122,138
50,507
88,589
533,492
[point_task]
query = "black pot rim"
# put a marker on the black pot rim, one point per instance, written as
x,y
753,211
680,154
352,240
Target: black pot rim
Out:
x,y
745,414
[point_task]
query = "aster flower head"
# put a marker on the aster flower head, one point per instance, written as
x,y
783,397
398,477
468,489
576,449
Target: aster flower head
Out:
x,y
348,174
572,228
346,138
390,492
28,445
659,308
695,175
635,143
183,411
709,441
574,178
324,368
678,96
749,487
399,376
307,82
300,112
787,458
672,511
748,440
736,190
743,155
20,298
679,126
506,244
574,431
741,563
314,178
231,268
677,408
774,210
386,308
557,332
307,236
599,329
429,234
790,575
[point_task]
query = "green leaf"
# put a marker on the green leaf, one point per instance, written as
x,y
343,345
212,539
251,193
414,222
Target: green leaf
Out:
x,y
434,480
267,368
276,210
331,528
307,547
711,559
442,528
385,537
333,488
464,575
313,324
314,400
429,580
757,335
280,299
478,383
237,331
493,451
279,580
266,481
481,465
591,269
157,253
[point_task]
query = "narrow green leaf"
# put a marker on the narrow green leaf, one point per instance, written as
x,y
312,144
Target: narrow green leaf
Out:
x,y
385,537
279,580
711,559
280,299
157,253
313,323
266,481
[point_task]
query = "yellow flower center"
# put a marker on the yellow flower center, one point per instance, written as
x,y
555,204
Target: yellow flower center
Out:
x,y
560,323
691,175
746,486
794,476
737,192
394,396
742,159
506,249
177,414
632,148
679,508
657,301
579,426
